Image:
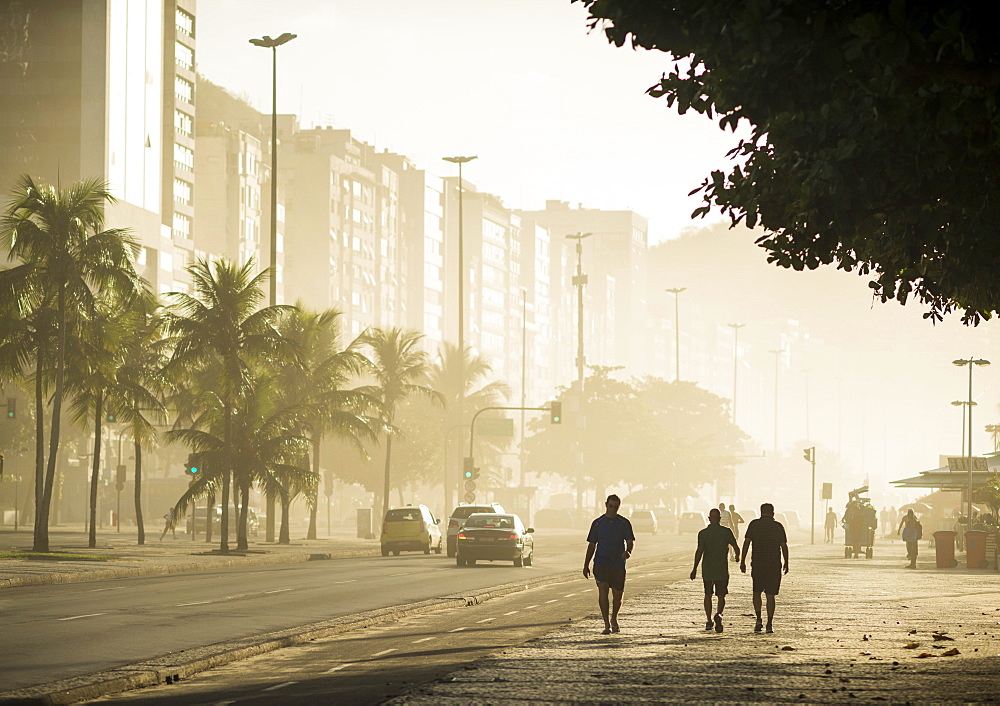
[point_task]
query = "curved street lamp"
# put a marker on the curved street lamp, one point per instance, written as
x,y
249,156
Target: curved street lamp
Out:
x,y
268,43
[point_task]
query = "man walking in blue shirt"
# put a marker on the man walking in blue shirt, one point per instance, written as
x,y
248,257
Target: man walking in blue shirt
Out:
x,y
610,543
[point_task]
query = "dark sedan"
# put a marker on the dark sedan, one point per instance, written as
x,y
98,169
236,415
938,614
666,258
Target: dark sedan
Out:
x,y
494,537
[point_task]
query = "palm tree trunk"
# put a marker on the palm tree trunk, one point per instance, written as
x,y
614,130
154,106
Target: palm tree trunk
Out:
x,y
285,534
227,465
388,456
241,527
138,492
39,438
95,471
41,543
314,493
209,514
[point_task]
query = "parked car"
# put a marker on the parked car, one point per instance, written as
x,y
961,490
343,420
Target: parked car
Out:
x,y
460,514
410,528
495,537
198,522
557,518
643,521
691,522
792,518
748,515
780,517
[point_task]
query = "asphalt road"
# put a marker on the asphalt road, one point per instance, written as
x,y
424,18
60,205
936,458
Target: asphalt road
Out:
x,y
52,632
372,665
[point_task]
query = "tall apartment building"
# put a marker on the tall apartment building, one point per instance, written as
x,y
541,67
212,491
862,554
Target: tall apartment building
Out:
x,y
90,90
614,260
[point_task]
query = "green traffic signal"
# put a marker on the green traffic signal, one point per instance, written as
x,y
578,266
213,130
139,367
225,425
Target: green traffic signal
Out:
x,y
555,412
11,407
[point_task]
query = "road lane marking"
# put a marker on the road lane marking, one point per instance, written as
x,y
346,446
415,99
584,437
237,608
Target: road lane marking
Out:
x,y
512,612
569,595
554,600
76,617
457,630
349,581
486,620
423,639
280,686
279,590
182,605
97,590
337,669
531,606
384,652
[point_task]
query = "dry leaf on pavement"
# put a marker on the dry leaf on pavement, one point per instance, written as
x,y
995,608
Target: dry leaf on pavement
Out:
x,y
951,653
911,646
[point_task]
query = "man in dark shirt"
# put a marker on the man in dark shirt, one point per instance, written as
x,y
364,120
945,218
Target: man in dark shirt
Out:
x,y
713,544
770,546
612,539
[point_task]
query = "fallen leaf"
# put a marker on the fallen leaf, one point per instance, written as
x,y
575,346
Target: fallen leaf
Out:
x,y
941,636
912,632
911,646
866,653
951,653
925,654
788,648
864,638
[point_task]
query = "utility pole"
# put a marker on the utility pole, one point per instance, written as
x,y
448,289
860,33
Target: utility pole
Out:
x,y
579,281
676,291
810,456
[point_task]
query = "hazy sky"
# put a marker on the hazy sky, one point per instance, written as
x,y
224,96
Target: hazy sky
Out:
x,y
552,111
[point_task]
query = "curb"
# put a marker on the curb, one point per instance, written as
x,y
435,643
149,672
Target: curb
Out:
x,y
172,667
186,568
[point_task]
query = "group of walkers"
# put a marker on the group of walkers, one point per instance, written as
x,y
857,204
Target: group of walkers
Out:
x,y
611,541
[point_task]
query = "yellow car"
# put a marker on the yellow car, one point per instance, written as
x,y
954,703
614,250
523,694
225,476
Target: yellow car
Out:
x,y
410,528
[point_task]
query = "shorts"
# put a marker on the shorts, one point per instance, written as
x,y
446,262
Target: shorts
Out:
x,y
766,580
718,587
613,577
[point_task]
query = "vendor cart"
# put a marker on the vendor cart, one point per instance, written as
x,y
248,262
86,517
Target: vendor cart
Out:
x,y
859,523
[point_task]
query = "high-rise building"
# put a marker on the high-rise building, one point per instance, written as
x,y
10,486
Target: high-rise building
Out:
x,y
98,88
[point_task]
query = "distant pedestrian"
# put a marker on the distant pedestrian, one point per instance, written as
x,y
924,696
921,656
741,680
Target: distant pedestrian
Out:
x,y
725,517
713,545
169,522
610,544
831,525
735,520
770,547
911,531
886,521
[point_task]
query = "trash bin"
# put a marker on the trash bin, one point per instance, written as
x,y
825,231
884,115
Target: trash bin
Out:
x,y
975,550
944,548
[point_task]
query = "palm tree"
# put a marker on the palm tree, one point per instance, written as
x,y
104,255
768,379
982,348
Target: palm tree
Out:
x,y
90,367
140,383
318,377
220,327
463,382
67,260
398,365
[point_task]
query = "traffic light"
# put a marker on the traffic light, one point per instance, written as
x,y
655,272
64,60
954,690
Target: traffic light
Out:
x,y
11,407
191,467
555,412
469,470
809,454
110,417
120,477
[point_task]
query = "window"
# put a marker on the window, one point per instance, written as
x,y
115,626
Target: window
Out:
x,y
184,89
183,157
183,122
182,192
182,226
184,56
185,23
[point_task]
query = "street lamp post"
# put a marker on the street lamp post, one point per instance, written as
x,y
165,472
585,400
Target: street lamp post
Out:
x,y
579,281
963,404
970,362
268,43
736,358
777,362
676,291
461,254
